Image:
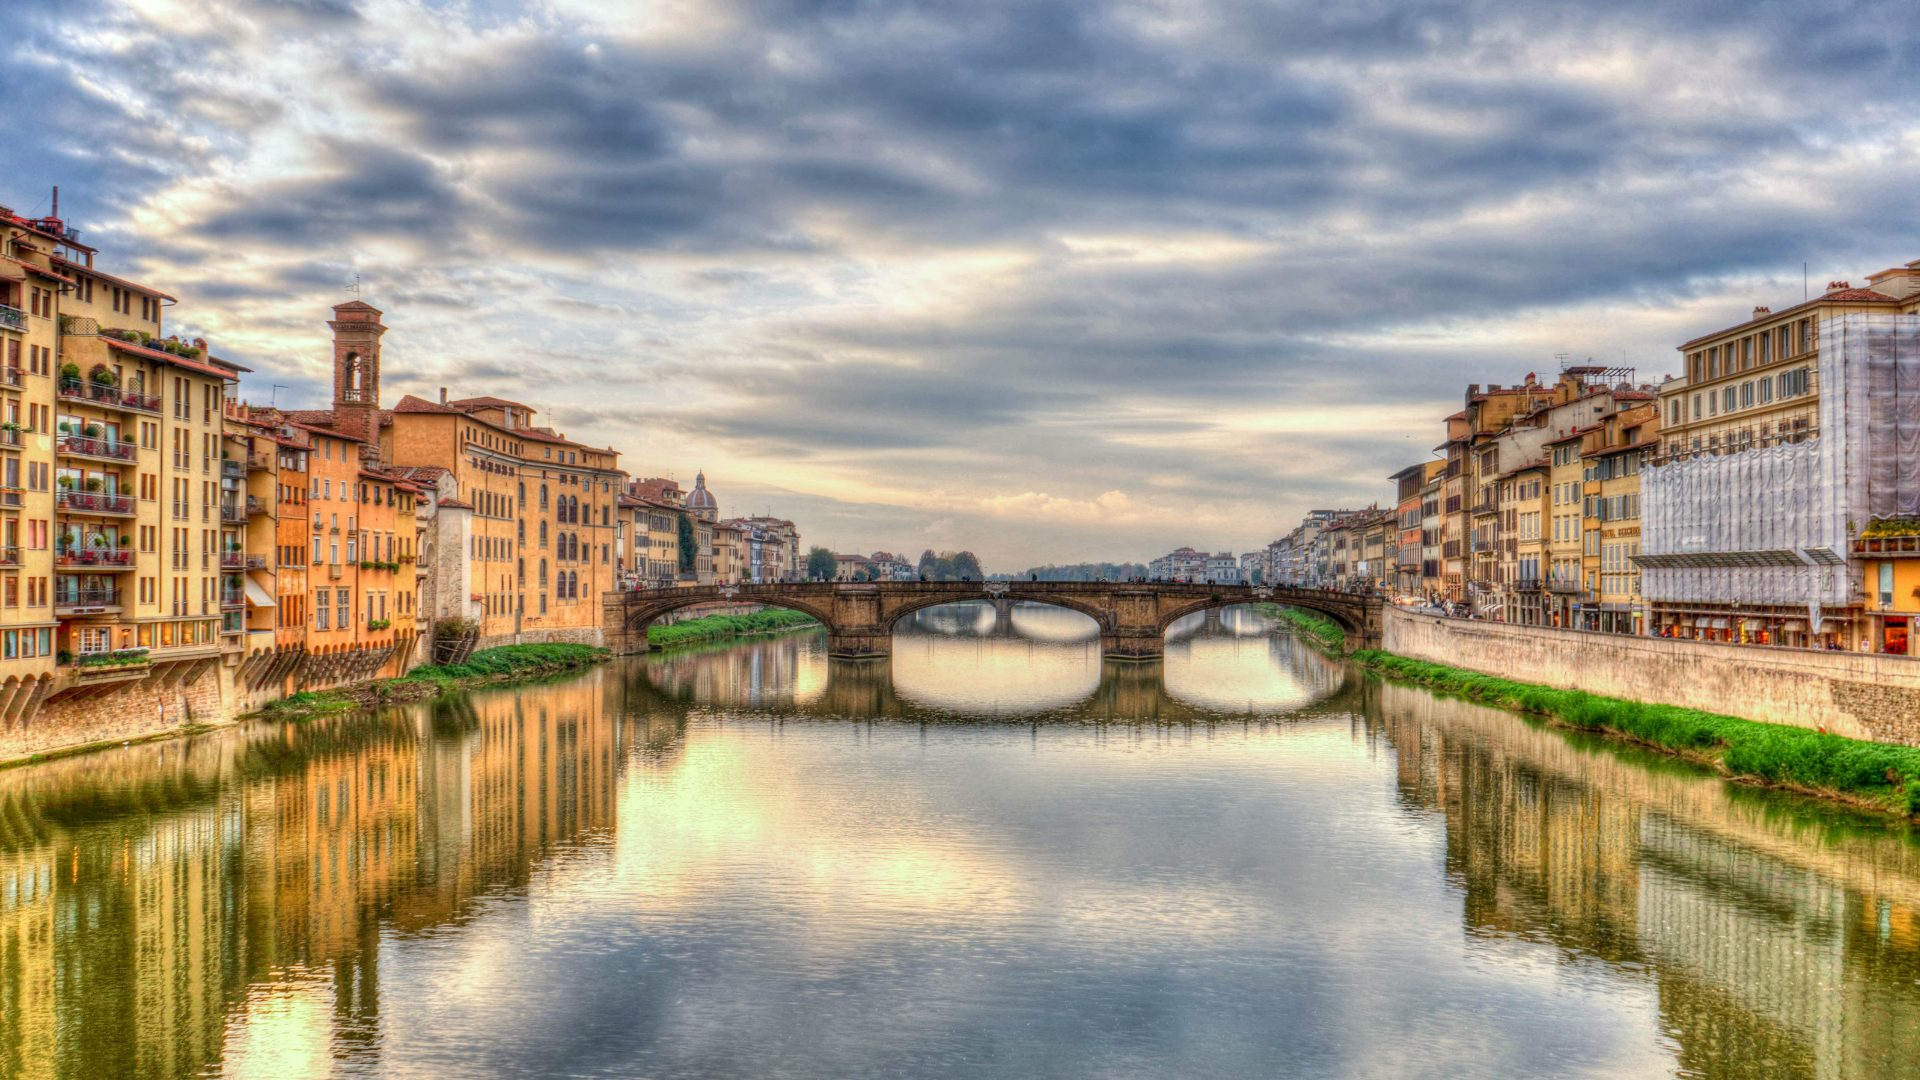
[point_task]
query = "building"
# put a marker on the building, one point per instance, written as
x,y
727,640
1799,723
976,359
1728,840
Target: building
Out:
x,y
890,567
1780,459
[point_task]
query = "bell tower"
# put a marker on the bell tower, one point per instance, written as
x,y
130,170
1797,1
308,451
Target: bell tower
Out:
x,y
356,373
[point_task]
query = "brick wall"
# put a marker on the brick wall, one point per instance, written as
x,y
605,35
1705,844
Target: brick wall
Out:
x,y
1860,695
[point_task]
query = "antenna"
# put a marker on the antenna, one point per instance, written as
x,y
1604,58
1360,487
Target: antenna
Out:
x,y
1804,294
355,287
275,395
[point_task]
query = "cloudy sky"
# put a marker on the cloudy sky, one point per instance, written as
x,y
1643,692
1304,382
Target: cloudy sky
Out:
x,y
1050,280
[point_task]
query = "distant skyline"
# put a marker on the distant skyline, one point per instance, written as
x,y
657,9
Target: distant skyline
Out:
x,y
1050,281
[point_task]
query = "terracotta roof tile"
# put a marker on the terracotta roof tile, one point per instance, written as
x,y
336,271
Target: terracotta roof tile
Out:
x,y
411,404
218,368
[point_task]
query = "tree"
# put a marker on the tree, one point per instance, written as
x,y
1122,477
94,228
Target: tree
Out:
x,y
689,545
929,565
820,564
965,565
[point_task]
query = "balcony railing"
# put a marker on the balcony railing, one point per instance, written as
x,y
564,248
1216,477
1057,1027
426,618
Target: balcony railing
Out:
x,y
233,513
110,396
1527,584
1484,506
1564,587
260,459
89,502
13,376
87,446
1482,547
233,560
85,598
12,497
12,317
232,600
9,556
236,470
258,505
1899,547
93,558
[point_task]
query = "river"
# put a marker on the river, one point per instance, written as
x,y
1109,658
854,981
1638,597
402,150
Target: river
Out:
x,y
995,855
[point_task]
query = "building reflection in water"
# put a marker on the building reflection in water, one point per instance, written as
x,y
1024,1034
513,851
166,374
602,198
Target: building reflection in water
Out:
x,y
219,904
156,900
1781,938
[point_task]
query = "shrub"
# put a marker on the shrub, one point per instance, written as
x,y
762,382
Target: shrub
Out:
x,y
511,660
719,627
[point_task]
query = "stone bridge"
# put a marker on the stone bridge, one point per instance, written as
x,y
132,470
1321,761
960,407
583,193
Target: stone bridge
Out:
x,y
859,616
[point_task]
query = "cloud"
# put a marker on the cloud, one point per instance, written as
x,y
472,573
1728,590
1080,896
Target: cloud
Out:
x,y
1047,280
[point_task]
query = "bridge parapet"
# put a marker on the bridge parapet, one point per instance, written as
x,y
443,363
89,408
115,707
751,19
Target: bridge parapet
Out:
x,y
859,616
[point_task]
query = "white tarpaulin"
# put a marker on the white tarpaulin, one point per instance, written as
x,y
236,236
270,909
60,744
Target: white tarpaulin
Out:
x,y
1719,511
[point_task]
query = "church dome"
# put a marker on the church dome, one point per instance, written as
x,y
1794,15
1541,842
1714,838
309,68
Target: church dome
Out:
x,y
700,498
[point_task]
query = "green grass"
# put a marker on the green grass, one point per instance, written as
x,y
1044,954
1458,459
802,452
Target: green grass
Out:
x,y
511,660
720,627
1316,626
1877,773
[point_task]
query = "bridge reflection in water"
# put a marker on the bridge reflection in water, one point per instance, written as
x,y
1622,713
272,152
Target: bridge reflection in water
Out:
x,y
295,900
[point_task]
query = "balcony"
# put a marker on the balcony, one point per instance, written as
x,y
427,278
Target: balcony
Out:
x,y
12,436
260,459
233,560
233,600
12,497
1527,584
111,397
1485,547
233,513
9,556
98,449
88,502
1885,547
1566,588
14,376
12,318
77,601
235,470
258,505
1484,506
94,560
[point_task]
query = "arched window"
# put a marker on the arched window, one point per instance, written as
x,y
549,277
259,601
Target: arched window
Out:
x,y
543,573
573,586
523,532
521,567
543,535
543,496
523,494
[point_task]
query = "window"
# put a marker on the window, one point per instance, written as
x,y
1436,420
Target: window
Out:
x,y
320,608
1731,398
1886,584
1696,406
1764,392
1746,394
344,612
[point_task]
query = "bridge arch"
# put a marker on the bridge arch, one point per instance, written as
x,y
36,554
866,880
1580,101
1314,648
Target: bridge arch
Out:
x,y
638,616
1101,618
1340,612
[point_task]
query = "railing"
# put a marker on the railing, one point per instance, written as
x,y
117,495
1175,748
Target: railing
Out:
x,y
12,317
257,505
1557,585
260,459
12,497
234,469
230,601
13,376
1887,545
75,597
12,436
1484,506
1482,547
233,560
1527,584
86,390
104,558
233,513
256,562
92,447
9,556
89,502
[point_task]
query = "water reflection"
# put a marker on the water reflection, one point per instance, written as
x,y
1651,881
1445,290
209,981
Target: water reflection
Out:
x,y
996,855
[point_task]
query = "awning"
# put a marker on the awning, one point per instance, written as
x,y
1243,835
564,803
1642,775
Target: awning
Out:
x,y
258,596
1794,626
1722,624
1703,621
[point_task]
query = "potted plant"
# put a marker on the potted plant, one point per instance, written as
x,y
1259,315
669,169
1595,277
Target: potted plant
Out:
x,y
126,543
93,484
94,431
66,483
103,377
70,370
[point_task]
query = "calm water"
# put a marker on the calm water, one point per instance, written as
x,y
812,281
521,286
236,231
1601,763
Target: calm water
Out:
x,y
993,857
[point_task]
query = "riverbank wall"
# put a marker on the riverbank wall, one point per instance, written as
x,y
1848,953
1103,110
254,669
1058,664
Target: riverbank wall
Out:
x,y
1859,695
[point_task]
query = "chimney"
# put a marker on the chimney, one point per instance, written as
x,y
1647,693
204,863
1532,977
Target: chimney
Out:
x,y
443,401
1836,286
1762,311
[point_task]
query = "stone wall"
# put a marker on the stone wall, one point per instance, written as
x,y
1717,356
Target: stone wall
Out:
x,y
566,635
133,710
1861,695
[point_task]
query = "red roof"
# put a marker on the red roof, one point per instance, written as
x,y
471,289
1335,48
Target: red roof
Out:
x,y
220,369
487,403
411,404
322,429
136,286
456,504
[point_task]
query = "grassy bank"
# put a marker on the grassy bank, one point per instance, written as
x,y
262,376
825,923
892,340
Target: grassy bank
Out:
x,y
1316,626
1879,775
721,627
509,663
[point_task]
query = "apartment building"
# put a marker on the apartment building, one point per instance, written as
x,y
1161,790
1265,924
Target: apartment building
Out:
x,y
1611,465
1780,458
